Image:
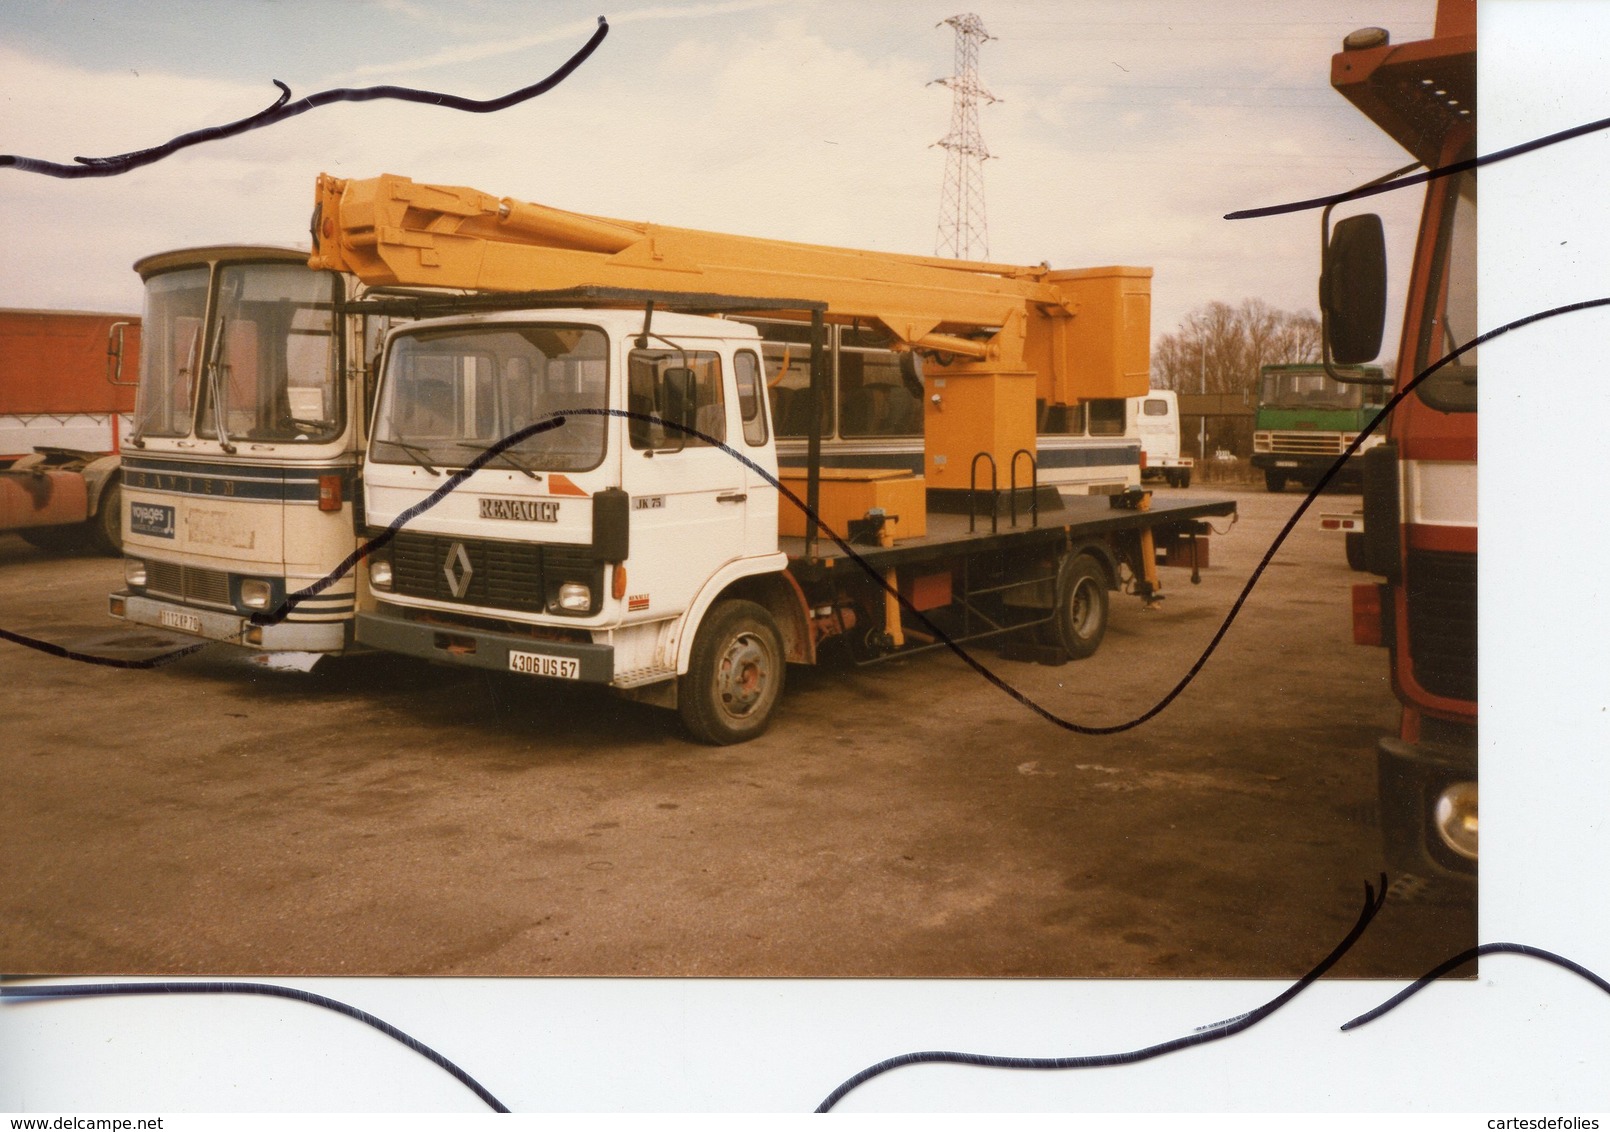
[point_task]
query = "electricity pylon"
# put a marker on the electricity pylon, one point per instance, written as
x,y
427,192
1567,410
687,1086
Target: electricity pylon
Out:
x,y
963,230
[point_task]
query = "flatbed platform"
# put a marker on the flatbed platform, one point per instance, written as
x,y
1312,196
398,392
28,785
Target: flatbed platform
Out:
x,y
947,534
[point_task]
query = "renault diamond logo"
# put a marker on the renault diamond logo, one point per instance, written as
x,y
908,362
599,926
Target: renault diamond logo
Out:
x,y
458,570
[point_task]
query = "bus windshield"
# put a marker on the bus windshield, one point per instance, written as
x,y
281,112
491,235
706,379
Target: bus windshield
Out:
x,y
449,394
271,356
170,353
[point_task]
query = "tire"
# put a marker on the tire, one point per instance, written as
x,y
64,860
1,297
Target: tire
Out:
x,y
1182,478
735,675
1355,552
107,525
1080,620
1273,480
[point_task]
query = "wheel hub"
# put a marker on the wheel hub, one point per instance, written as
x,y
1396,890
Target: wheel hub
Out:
x,y
744,674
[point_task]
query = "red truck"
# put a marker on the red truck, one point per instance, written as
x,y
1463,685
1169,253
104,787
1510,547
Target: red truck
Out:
x,y
1420,482
67,382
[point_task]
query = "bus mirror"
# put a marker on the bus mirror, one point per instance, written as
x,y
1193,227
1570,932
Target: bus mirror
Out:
x,y
114,354
1352,289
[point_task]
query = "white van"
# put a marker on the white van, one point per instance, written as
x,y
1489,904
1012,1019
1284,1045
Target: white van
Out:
x,y
1155,419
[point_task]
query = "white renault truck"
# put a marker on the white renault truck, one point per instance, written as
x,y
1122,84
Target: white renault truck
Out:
x,y
583,485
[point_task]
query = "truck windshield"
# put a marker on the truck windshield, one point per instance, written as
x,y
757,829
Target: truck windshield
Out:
x,y
448,393
273,349
1453,387
175,304
1308,389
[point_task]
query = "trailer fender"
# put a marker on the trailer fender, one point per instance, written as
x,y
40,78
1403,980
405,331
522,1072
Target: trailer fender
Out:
x,y
98,475
1101,552
765,582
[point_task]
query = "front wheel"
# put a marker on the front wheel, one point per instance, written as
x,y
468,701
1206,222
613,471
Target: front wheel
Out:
x,y
1355,552
1080,619
106,528
735,675
1273,480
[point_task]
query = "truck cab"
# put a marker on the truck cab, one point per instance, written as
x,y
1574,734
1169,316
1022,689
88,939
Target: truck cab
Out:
x,y
1306,420
530,454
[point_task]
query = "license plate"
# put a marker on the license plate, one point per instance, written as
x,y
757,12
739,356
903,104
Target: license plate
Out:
x,y
1285,463
188,622
541,664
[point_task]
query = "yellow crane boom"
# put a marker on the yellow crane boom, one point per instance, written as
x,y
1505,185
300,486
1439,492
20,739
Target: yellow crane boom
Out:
x,y
998,337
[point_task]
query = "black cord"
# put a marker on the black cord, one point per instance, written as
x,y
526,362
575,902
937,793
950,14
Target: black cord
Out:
x,y
284,108
97,990
1214,1033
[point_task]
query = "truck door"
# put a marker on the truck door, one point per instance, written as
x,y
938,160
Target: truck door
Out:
x,y
688,497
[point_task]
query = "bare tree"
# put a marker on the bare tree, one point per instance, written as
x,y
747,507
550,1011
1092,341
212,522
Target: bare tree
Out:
x,y
1221,349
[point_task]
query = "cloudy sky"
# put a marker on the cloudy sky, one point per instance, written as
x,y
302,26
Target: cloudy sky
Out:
x,y
1122,134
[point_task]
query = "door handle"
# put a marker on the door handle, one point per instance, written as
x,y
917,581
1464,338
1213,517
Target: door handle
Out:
x,y
732,497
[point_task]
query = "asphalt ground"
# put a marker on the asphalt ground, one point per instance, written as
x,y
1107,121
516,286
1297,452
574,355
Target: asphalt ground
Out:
x,y
382,816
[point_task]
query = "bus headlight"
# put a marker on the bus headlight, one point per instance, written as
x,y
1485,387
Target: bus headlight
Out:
x,y
256,593
134,572
380,573
575,597
1263,442
1455,818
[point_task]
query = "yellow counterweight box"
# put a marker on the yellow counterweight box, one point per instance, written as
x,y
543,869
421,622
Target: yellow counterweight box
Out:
x,y
849,493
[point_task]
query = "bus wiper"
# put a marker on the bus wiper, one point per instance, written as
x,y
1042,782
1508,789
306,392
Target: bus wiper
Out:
x,y
504,455
219,409
420,454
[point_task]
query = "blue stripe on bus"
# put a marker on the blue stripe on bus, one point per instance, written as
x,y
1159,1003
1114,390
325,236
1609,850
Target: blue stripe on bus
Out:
x,y
231,481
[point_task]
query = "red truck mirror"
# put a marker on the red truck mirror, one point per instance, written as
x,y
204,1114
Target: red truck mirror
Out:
x,y
1352,290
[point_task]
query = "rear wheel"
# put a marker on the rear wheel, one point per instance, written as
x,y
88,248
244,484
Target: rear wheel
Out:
x,y
735,675
1080,619
1273,480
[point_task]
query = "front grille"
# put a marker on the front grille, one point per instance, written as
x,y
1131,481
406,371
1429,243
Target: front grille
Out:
x,y
1441,591
188,583
1306,443
501,575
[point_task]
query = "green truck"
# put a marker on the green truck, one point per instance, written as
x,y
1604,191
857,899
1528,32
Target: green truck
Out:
x,y
1306,419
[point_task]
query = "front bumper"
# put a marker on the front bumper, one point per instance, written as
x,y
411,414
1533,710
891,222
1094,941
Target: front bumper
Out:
x,y
232,628
1412,777
480,648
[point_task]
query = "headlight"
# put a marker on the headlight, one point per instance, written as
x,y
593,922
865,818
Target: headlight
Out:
x,y
134,571
574,597
380,573
1456,818
256,593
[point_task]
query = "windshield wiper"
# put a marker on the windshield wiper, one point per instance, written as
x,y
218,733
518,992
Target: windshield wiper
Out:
x,y
216,388
504,455
420,454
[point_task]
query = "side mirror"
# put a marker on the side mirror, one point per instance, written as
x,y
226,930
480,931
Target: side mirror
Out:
x,y
1352,290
